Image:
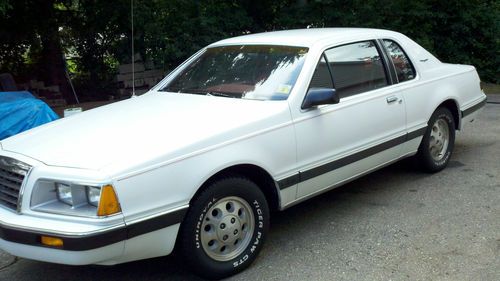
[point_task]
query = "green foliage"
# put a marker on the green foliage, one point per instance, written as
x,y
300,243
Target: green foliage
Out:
x,y
92,36
459,31
167,32
468,33
96,34
4,6
25,24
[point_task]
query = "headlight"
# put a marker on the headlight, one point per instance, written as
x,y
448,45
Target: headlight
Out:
x,y
93,195
74,199
64,193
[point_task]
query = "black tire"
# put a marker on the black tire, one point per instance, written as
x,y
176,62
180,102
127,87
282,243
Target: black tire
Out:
x,y
425,158
200,216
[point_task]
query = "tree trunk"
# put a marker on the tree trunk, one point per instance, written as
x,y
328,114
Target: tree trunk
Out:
x,y
52,64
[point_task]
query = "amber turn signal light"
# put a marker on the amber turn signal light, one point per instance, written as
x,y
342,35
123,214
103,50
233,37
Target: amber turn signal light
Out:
x,y
51,241
108,203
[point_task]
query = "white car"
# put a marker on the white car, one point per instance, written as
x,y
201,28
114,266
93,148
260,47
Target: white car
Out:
x,y
247,125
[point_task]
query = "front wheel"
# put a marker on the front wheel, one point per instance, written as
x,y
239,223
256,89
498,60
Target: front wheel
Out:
x,y
437,144
225,228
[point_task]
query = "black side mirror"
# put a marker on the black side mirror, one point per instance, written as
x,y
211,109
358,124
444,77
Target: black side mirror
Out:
x,y
319,96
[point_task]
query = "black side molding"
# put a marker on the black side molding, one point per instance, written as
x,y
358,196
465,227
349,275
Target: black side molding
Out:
x,y
474,108
89,242
289,181
339,163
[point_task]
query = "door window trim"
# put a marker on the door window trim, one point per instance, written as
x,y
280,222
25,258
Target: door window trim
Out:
x,y
385,64
388,64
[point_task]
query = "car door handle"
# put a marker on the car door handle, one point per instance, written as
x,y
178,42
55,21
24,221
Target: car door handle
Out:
x,y
392,99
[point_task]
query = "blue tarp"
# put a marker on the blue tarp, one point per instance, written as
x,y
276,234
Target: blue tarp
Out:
x,y
20,111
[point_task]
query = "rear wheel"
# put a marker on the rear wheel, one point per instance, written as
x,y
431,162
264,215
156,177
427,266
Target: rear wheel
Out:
x,y
225,228
438,142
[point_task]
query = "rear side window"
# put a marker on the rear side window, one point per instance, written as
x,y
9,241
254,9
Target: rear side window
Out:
x,y
356,68
401,62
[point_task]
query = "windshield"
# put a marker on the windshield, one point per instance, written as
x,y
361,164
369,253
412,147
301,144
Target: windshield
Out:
x,y
246,71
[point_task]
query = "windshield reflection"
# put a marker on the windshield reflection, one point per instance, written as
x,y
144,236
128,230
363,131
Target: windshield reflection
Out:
x,y
260,72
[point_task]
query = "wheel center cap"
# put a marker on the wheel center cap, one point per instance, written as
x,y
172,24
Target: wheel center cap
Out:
x,y
229,229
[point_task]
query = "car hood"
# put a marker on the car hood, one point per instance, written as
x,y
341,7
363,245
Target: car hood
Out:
x,y
140,131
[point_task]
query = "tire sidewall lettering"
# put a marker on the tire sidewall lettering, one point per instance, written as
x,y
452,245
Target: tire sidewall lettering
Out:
x,y
192,230
424,156
256,239
197,238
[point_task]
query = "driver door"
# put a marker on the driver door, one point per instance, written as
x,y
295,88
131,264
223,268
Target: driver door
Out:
x,y
337,142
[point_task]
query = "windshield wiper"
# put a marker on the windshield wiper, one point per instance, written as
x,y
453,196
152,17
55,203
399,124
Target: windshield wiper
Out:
x,y
198,92
218,94
209,93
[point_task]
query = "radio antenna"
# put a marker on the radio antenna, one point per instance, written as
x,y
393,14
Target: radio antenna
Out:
x,y
133,55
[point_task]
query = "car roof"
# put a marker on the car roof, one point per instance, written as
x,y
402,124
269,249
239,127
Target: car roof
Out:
x,y
304,37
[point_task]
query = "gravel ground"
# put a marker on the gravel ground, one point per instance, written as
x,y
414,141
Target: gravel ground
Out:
x,y
395,224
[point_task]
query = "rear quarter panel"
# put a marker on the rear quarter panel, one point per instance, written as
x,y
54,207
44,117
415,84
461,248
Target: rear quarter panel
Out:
x,y
437,84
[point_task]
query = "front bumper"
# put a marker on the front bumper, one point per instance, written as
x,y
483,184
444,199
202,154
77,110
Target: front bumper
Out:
x,y
110,240
97,256
89,244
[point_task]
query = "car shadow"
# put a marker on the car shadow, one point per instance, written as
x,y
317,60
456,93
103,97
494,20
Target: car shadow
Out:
x,y
331,206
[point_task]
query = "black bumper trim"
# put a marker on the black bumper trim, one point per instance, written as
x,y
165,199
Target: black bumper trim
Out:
x,y
474,108
339,163
94,241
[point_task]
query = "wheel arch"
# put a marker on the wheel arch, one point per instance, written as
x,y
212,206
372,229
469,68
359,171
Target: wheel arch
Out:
x,y
452,106
257,174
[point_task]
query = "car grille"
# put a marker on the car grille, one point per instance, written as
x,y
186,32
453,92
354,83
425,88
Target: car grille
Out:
x,y
12,174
